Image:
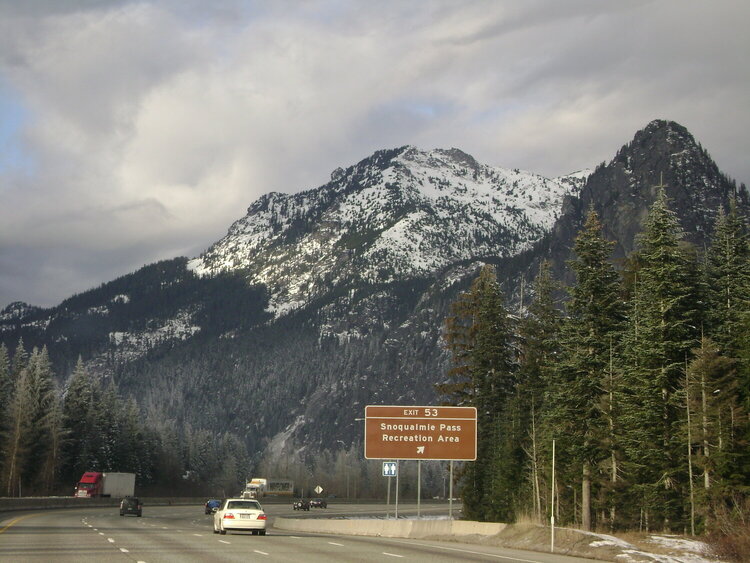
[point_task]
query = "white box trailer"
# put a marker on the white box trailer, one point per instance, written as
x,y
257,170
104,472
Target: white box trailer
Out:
x,y
119,485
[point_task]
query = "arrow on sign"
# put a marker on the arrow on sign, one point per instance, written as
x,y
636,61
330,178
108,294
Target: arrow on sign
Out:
x,y
420,449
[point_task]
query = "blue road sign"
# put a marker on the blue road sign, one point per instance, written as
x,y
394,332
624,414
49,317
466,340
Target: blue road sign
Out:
x,y
389,469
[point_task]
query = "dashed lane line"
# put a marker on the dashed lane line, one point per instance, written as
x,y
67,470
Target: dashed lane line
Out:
x,y
392,554
334,543
226,542
261,552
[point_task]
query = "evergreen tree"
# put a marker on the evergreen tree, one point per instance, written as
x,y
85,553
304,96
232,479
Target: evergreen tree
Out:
x,y
20,426
595,313
478,335
664,321
78,419
539,350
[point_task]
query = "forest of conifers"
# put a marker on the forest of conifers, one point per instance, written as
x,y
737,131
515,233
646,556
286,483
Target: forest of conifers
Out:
x,y
50,438
639,376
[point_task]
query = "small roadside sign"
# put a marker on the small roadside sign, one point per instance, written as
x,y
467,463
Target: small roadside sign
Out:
x,y
318,490
389,469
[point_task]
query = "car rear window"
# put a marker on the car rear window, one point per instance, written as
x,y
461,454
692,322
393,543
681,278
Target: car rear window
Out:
x,y
249,505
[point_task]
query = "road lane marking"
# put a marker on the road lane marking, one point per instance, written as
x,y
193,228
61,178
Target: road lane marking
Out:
x,y
124,550
391,554
261,552
226,542
198,535
15,521
110,540
334,543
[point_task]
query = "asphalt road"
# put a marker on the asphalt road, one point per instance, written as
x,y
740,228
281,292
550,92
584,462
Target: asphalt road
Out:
x,y
185,534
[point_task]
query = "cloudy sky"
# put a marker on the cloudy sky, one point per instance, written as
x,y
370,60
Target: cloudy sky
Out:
x,y
137,131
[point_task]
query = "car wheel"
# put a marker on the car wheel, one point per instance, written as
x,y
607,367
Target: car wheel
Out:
x,y
121,514
262,532
140,514
255,532
223,532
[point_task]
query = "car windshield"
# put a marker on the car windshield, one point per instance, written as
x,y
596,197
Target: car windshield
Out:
x,y
246,504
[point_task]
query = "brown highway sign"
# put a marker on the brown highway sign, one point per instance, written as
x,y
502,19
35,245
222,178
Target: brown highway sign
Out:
x,y
420,432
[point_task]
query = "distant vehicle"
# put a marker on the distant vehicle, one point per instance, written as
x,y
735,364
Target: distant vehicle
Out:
x,y
131,505
301,504
212,505
238,514
259,487
318,503
96,484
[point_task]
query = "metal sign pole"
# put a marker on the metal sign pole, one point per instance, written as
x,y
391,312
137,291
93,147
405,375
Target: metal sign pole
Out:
x,y
388,501
450,494
397,472
552,512
419,486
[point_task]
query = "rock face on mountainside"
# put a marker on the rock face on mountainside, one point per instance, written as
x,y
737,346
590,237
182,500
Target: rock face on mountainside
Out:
x,y
317,303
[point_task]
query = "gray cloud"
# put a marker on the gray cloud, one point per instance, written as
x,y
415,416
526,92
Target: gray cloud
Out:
x,y
148,127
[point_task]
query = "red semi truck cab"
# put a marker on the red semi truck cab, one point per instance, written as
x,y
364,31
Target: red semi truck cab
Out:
x,y
90,485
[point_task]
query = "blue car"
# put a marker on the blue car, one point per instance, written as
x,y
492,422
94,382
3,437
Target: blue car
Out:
x,y
212,505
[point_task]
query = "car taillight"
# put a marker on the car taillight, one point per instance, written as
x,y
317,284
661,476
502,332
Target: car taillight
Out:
x,y
261,516
229,515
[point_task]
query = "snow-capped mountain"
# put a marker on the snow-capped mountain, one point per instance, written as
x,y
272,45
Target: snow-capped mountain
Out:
x,y
317,303
397,215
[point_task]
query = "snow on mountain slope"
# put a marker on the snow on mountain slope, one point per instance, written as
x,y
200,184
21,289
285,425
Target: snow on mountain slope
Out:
x,y
396,215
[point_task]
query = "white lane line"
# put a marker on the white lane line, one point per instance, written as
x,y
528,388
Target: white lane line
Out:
x,y
124,550
334,543
110,540
261,552
198,535
226,542
391,554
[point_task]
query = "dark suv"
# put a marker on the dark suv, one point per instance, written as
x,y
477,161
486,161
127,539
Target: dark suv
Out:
x,y
131,505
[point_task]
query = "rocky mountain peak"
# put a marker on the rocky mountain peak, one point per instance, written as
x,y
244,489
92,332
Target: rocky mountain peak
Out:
x,y
664,153
399,214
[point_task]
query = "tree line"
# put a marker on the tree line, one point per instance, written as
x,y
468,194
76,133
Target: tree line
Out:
x,y
639,375
49,436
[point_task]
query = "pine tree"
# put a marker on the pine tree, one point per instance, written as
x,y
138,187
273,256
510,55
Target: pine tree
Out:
x,y
664,321
539,350
20,425
78,419
478,335
595,313
42,408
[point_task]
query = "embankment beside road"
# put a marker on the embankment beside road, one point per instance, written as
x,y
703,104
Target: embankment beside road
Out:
x,y
530,537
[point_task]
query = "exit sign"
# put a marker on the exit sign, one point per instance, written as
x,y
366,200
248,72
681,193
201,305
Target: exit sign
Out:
x,y
420,432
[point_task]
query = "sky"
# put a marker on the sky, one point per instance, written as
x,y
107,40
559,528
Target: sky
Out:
x,y
136,131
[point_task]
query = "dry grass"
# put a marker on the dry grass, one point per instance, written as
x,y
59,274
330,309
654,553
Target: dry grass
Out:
x,y
730,531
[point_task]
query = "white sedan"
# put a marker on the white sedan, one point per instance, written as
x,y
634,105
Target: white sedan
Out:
x,y
241,515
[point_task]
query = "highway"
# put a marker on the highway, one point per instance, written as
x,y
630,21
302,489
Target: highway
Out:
x,y
185,534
